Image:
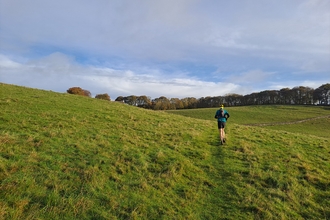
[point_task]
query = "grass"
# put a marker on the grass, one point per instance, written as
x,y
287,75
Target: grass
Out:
x,y
71,157
317,127
249,115
309,120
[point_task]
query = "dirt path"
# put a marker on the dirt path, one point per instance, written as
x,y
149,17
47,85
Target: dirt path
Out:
x,y
289,123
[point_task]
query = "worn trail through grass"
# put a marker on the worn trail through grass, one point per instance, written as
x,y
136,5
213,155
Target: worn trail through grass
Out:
x,y
288,122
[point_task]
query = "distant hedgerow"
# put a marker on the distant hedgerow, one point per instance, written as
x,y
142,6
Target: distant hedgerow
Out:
x,y
104,96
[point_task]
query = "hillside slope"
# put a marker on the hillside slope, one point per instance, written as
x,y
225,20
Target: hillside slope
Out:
x,y
300,119
70,157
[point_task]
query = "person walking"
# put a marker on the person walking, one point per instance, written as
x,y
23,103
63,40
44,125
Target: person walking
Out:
x,y
222,115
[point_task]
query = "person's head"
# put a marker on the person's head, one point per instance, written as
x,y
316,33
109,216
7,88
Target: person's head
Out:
x,y
221,106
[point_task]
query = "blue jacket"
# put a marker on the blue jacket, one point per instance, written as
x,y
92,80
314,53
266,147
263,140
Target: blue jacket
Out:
x,y
223,119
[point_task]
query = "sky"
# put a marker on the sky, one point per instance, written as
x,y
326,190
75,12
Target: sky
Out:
x,y
171,48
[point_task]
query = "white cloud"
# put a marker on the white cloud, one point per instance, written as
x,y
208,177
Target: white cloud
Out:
x,y
292,84
164,47
251,77
5,62
168,29
59,72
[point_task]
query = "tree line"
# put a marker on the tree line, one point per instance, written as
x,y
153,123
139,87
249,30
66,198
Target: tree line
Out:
x,y
299,95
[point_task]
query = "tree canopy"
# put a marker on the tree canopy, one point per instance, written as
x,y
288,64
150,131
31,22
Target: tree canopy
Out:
x,y
299,95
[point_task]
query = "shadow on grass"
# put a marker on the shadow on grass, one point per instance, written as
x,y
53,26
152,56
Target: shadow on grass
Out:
x,y
326,107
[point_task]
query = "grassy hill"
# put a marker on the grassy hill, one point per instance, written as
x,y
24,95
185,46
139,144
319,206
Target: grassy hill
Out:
x,y
70,157
310,120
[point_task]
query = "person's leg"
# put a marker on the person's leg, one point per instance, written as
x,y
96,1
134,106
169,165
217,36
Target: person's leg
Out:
x,y
219,127
223,135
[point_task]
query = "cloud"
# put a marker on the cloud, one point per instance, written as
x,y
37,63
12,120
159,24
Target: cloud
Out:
x,y
59,72
169,30
5,62
292,84
166,46
252,77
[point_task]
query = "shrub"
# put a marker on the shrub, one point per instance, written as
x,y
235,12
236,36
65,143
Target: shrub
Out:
x,y
79,91
87,93
103,96
119,99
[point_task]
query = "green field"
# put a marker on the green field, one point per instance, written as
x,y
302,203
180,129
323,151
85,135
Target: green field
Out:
x,y
71,157
309,120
